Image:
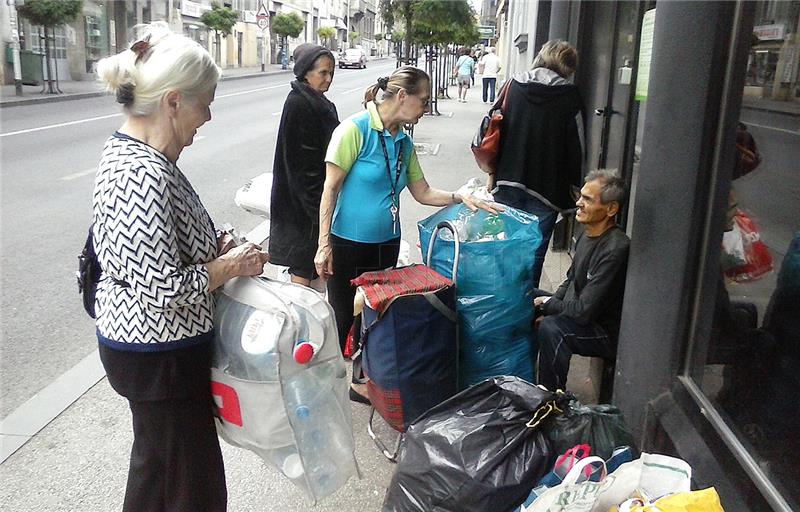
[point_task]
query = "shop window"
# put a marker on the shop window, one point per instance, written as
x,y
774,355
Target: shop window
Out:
x,y
747,365
35,40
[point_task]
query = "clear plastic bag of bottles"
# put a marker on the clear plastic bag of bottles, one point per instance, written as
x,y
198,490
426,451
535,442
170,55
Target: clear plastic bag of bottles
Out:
x,y
279,382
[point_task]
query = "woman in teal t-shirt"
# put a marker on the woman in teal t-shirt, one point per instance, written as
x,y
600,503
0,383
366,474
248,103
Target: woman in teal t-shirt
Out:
x,y
370,160
465,66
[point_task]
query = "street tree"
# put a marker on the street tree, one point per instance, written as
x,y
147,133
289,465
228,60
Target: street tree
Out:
x,y
50,14
326,35
352,37
393,11
221,20
440,22
287,25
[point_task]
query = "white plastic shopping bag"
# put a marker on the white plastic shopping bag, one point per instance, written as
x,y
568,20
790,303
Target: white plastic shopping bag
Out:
x,y
650,475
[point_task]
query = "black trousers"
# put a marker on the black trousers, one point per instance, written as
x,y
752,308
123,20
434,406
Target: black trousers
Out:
x,y
176,463
488,86
559,337
350,260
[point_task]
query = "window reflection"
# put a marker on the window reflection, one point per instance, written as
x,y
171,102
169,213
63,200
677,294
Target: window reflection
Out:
x,y
752,369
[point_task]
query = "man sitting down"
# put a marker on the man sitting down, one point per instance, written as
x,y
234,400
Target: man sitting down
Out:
x,y
583,315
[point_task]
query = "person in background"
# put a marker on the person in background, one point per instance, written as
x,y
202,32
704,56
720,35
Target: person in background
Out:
x,y
370,160
541,154
161,260
307,123
463,70
489,66
583,316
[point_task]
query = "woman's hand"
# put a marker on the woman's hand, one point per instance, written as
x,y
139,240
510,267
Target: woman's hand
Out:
x,y
243,260
247,259
323,261
473,203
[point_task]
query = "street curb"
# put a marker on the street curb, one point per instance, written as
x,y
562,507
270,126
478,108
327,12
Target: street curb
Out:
x,y
95,94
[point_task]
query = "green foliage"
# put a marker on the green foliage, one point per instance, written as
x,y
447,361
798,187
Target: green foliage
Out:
x,y
432,21
326,34
378,36
352,36
288,25
50,13
220,19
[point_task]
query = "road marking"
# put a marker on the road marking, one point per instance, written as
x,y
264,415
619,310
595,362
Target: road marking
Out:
x,y
790,132
276,113
352,90
77,175
98,118
250,91
59,125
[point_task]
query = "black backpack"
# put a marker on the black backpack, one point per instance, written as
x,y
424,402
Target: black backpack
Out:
x,y
88,274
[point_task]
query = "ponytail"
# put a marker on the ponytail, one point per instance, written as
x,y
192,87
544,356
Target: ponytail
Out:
x,y
409,78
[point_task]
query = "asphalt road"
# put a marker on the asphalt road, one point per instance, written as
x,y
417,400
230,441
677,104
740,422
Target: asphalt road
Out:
x,y
49,156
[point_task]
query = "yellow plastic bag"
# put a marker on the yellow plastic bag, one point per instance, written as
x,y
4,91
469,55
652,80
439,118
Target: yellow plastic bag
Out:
x,y
706,500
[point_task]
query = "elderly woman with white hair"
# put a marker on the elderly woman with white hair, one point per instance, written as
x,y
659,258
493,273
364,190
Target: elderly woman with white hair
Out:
x,y
161,259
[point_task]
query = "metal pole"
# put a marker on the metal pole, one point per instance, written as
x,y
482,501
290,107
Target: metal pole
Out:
x,y
12,13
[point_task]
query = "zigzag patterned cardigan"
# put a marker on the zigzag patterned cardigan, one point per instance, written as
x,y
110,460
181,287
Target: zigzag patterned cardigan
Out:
x,y
152,232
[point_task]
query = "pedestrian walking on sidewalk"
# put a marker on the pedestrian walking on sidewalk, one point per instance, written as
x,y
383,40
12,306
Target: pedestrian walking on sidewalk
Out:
x,y
489,66
307,122
161,259
463,71
370,160
541,153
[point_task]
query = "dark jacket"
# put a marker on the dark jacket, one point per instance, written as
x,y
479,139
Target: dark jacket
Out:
x,y
595,284
307,122
541,138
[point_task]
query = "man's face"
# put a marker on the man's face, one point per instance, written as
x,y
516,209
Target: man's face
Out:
x,y
591,210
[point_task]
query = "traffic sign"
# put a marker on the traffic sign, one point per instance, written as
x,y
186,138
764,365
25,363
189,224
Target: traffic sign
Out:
x,y
262,17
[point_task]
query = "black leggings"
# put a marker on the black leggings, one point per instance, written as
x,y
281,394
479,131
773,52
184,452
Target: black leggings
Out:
x,y
350,260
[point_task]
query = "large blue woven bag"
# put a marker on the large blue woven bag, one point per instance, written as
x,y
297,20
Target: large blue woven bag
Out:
x,y
494,289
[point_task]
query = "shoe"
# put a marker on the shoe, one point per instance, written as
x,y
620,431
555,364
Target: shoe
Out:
x,y
355,396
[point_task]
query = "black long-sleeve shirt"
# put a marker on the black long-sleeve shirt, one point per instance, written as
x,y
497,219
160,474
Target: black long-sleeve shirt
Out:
x,y
595,284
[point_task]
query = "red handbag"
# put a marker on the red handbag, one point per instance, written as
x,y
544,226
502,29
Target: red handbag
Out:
x,y
486,144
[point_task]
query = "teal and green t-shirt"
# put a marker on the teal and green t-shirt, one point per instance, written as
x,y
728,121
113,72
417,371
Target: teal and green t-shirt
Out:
x,y
363,208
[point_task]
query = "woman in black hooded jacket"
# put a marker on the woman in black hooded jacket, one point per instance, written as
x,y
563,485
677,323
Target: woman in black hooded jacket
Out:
x,y
307,122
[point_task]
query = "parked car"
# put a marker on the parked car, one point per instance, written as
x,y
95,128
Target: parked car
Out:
x,y
353,58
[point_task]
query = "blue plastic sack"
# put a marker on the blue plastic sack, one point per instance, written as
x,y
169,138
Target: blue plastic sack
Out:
x,y
494,288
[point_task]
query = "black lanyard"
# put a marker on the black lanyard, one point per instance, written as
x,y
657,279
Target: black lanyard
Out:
x,y
389,167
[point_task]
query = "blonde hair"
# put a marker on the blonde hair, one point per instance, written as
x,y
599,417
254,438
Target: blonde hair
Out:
x,y
409,78
558,56
157,62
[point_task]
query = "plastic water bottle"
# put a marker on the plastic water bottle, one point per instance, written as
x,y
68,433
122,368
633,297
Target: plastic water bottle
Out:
x,y
248,337
493,225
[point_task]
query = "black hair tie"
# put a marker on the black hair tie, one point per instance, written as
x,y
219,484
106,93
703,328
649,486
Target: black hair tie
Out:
x,y
383,82
125,94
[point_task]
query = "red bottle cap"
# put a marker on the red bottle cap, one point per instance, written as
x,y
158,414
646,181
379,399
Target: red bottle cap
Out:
x,y
303,352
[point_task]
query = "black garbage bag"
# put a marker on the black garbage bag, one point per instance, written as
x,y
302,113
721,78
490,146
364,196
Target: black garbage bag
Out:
x,y
480,450
601,426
